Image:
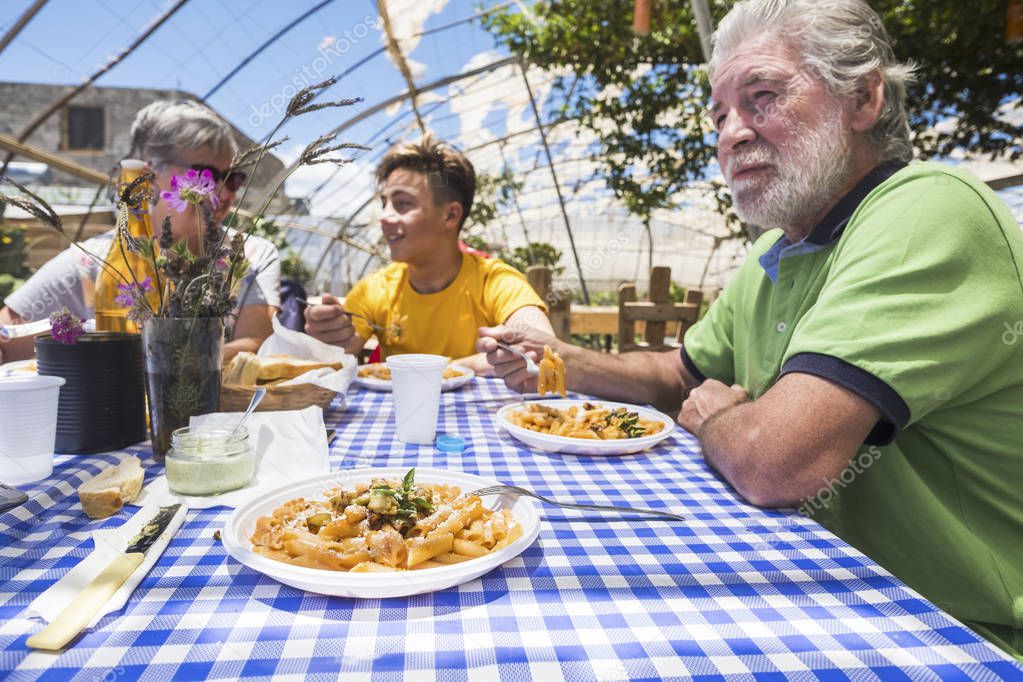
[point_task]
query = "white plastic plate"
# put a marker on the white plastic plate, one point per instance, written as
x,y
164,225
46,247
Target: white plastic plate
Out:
x,y
19,368
583,446
445,385
242,523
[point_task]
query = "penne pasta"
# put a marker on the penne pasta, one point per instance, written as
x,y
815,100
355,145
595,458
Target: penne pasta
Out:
x,y
468,548
588,421
372,567
423,549
382,372
383,526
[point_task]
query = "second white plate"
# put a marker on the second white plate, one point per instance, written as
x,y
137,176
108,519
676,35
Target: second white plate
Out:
x,y
19,368
583,446
445,385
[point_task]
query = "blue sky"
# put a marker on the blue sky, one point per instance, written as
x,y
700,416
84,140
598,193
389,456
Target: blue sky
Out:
x,y
202,42
70,39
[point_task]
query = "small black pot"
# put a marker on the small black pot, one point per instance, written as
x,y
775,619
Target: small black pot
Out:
x,y
103,404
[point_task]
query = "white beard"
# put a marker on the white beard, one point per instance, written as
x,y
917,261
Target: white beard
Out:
x,y
807,174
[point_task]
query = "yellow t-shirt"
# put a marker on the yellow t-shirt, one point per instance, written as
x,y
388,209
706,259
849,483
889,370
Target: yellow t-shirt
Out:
x,y
485,293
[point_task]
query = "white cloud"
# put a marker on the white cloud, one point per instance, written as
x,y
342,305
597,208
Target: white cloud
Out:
x,y
407,18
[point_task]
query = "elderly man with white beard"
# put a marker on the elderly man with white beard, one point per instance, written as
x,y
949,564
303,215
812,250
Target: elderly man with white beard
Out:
x,y
856,366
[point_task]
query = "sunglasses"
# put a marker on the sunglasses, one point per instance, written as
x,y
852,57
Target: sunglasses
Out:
x,y
232,180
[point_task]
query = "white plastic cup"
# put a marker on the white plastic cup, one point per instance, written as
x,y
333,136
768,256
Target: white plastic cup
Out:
x,y
28,427
415,384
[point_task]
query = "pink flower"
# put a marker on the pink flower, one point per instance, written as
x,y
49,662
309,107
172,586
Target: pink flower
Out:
x,y
192,188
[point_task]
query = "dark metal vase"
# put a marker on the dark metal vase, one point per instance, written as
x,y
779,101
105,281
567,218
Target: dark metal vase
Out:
x,y
183,357
103,402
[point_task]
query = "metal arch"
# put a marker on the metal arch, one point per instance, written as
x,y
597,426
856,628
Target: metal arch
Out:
x,y
557,185
399,98
399,60
255,53
704,26
20,23
57,104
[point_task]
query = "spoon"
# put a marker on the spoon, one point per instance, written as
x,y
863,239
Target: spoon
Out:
x,y
257,397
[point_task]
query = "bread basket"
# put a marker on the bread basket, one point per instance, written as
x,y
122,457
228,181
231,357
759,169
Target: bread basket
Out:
x,y
235,397
242,373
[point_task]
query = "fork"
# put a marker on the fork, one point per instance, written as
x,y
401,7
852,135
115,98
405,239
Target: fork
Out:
x,y
515,490
373,325
531,367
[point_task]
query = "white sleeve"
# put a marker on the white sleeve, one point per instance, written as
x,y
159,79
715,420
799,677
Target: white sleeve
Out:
x,y
262,284
56,284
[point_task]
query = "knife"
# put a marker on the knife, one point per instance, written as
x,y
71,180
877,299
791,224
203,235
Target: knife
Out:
x,y
76,615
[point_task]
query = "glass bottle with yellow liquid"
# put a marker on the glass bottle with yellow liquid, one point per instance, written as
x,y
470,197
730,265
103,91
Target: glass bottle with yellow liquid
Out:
x,y
132,266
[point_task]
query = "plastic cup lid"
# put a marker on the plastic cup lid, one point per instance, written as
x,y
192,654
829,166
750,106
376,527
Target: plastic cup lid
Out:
x,y
450,443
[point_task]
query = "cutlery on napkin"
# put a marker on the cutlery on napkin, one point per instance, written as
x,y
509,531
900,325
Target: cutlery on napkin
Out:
x,y
105,579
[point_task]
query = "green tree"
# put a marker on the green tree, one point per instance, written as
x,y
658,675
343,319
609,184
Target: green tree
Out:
x,y
645,97
292,265
534,253
495,194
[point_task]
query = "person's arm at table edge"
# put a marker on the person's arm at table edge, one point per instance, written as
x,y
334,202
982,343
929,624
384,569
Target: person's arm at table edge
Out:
x,y
254,326
528,316
16,349
641,377
659,379
785,446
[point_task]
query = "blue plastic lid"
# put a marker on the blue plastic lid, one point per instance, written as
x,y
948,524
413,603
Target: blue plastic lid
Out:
x,y
450,443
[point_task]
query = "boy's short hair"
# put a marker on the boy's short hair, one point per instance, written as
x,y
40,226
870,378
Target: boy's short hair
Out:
x,y
449,173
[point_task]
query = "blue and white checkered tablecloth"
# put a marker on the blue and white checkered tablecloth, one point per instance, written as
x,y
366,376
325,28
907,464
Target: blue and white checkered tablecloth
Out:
x,y
733,593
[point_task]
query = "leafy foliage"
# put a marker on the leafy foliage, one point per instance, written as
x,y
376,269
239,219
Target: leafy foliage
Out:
x,y
495,194
645,97
294,268
535,253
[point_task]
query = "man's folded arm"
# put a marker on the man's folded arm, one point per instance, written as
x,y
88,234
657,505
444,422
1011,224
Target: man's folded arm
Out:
x,y
786,445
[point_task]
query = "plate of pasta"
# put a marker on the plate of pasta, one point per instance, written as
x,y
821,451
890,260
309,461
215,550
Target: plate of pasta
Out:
x,y
380,532
377,377
19,368
585,427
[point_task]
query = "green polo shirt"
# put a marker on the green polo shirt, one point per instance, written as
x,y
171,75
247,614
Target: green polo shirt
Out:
x,y
909,293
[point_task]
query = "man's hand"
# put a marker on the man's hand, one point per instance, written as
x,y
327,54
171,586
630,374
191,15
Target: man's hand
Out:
x,y
706,400
328,323
509,366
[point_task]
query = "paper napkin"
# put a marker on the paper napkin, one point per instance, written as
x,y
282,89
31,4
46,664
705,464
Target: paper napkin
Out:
x,y
109,543
289,446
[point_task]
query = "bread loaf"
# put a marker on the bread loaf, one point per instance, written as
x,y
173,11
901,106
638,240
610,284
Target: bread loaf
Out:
x,y
243,369
249,369
105,493
274,367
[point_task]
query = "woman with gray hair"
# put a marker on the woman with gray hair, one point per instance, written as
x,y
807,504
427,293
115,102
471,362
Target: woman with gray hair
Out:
x,y
172,137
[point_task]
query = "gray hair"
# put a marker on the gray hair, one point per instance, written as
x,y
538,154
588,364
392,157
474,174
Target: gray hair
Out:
x,y
841,42
166,126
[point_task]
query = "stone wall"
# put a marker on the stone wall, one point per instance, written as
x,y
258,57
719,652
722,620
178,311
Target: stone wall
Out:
x,y
21,102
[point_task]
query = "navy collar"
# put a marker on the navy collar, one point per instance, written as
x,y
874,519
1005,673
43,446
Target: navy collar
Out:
x,y
828,230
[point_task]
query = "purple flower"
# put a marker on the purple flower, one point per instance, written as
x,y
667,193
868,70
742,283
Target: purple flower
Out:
x,y
65,327
129,292
192,188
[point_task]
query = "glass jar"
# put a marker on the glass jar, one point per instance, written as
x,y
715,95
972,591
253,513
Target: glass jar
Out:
x,y
209,462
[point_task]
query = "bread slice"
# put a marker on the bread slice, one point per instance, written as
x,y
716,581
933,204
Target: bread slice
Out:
x,y
274,367
105,493
243,370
